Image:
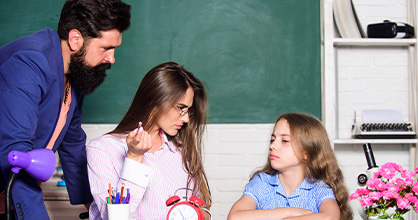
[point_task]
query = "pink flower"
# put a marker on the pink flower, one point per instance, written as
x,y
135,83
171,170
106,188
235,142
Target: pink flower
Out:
x,y
411,197
366,201
398,167
416,207
400,183
376,184
409,181
391,187
381,186
355,195
415,187
372,183
363,191
388,170
384,191
402,203
375,196
389,194
407,174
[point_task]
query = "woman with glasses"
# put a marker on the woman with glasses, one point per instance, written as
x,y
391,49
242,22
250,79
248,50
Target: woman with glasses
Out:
x,y
156,149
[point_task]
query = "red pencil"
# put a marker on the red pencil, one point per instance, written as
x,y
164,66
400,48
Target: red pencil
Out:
x,y
121,193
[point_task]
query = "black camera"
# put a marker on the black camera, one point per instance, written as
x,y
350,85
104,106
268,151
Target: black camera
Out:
x,y
389,29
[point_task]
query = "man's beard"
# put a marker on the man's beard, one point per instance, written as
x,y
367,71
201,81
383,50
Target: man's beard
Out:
x,y
85,77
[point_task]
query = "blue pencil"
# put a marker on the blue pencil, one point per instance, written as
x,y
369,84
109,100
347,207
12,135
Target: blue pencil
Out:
x,y
117,198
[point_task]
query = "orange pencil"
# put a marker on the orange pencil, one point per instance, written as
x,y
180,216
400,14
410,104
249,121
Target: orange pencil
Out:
x,y
121,193
110,193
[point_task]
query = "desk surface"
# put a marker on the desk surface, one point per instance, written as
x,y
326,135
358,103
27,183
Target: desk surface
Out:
x,y
63,210
57,201
53,192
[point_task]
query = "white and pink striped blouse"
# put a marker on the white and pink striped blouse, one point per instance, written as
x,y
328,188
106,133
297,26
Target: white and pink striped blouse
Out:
x,y
150,183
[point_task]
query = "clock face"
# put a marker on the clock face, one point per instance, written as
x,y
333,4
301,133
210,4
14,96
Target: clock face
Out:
x,y
183,212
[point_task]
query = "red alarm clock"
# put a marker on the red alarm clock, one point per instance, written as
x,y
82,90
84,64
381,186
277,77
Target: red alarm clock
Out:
x,y
187,209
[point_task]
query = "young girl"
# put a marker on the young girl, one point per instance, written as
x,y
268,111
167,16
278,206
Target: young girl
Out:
x,y
301,179
163,154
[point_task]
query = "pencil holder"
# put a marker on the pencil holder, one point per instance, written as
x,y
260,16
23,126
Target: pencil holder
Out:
x,y
118,211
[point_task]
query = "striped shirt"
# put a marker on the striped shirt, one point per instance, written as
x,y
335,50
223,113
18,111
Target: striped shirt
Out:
x,y
268,193
150,183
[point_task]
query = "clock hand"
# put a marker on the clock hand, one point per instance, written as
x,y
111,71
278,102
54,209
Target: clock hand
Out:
x,y
181,214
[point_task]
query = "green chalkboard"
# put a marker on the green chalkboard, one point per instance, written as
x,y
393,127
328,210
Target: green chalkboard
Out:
x,y
258,58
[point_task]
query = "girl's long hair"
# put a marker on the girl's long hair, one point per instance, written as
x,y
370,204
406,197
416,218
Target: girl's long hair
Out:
x,y
158,92
309,137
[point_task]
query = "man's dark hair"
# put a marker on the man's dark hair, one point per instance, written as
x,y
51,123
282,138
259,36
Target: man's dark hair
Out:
x,y
92,16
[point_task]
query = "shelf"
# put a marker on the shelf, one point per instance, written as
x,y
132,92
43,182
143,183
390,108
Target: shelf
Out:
x,y
330,46
375,141
374,42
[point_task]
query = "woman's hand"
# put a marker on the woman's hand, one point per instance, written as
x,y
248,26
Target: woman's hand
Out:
x,y
139,142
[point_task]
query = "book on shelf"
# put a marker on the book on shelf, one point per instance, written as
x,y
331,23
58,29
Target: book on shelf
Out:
x,y
346,19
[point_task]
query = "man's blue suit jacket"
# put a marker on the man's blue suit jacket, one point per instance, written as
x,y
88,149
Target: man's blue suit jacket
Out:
x,y
31,94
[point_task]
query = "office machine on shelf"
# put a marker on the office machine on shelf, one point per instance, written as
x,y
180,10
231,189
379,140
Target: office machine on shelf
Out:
x,y
374,125
384,130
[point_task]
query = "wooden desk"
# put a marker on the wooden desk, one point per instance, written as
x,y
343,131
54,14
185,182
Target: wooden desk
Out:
x,y
57,201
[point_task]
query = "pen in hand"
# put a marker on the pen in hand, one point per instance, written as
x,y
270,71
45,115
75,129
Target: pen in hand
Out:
x,y
139,142
140,126
138,130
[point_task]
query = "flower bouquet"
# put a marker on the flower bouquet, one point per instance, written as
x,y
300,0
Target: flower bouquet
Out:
x,y
391,187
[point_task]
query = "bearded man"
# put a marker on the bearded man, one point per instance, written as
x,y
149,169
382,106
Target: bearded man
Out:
x,y
43,79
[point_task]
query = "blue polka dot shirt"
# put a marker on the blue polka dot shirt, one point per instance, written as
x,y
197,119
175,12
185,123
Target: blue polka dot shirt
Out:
x,y
268,193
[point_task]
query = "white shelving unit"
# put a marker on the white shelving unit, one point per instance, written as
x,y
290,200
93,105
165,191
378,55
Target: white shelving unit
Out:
x,y
330,44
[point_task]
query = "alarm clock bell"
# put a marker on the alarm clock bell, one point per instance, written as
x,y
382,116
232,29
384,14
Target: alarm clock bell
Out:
x,y
185,209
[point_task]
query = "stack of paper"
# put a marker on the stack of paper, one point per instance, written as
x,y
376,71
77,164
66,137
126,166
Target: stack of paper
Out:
x,y
382,115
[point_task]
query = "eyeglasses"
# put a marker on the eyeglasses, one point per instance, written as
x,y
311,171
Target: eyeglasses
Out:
x,y
184,110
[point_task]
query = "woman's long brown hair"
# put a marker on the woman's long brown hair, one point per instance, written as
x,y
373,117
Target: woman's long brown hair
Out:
x,y
158,92
310,138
